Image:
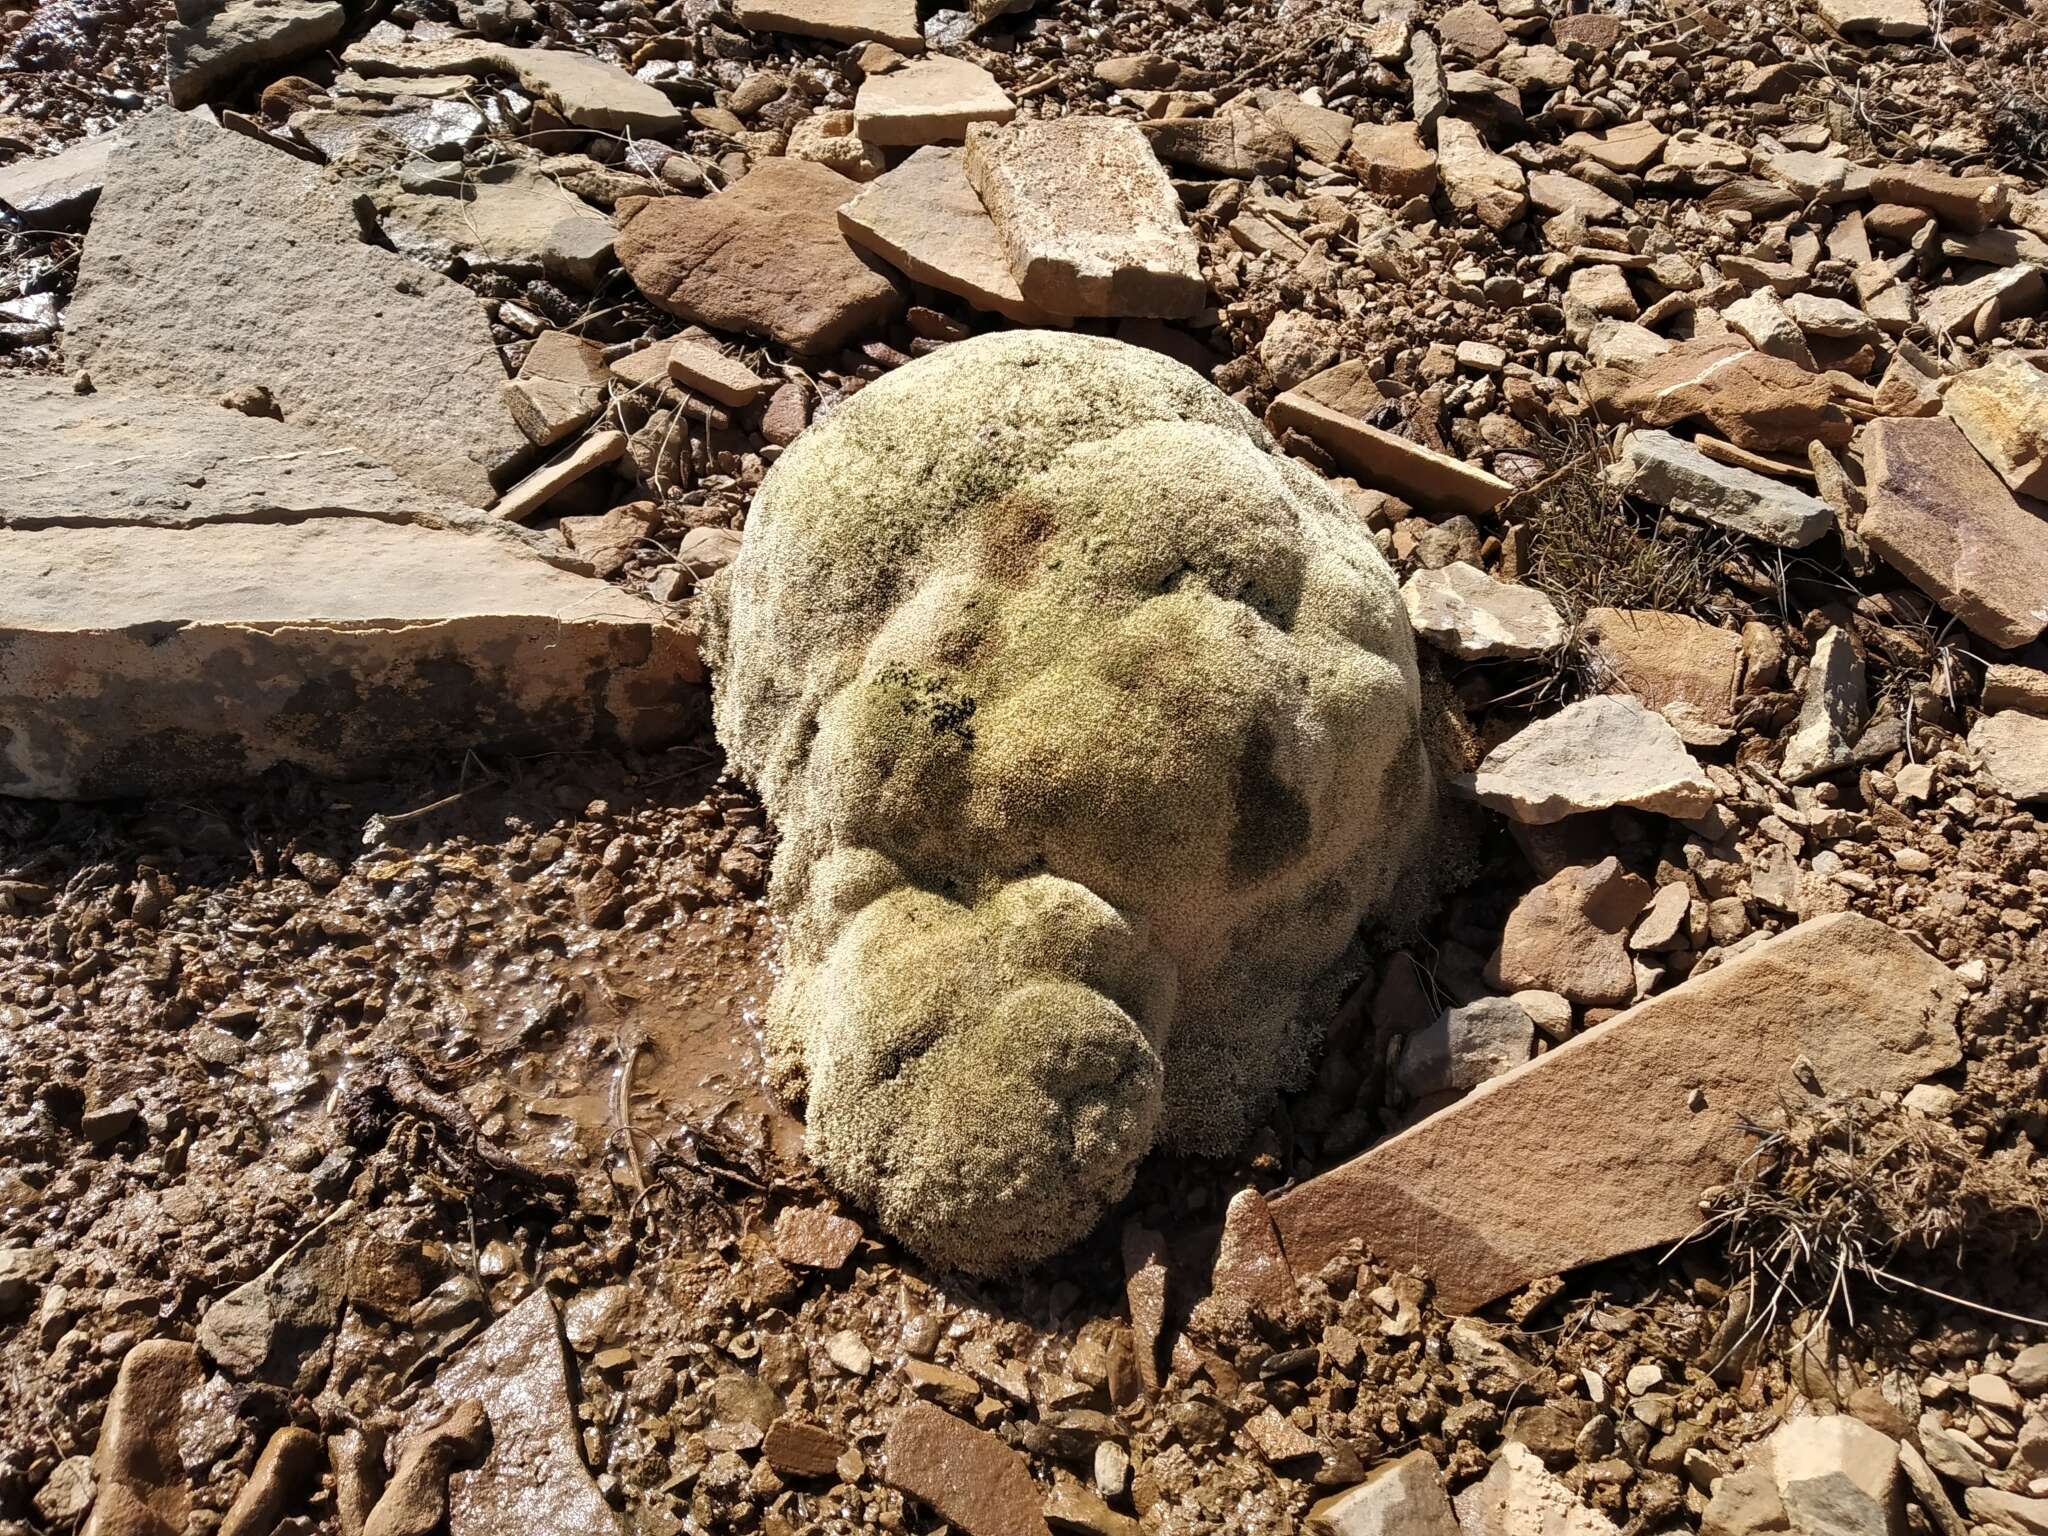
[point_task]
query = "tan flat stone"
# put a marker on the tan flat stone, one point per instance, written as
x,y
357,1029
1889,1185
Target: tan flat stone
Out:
x,y
1087,218
969,1476
143,660
924,219
540,487
839,21
710,372
1494,1191
1421,475
2003,410
929,101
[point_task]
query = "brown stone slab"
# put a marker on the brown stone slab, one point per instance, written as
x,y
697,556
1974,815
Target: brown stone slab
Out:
x,y
1379,458
1597,1148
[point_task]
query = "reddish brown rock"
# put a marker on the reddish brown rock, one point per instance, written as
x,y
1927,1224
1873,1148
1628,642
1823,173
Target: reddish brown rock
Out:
x,y
1391,160
1758,402
1570,936
1970,203
1940,515
1378,458
1145,1295
812,1237
290,1463
1249,1262
1494,1191
765,256
143,1491
798,1449
969,1476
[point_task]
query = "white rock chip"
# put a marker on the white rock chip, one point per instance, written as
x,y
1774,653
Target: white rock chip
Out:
x,y
2013,747
1460,609
1518,1497
1836,1476
1591,756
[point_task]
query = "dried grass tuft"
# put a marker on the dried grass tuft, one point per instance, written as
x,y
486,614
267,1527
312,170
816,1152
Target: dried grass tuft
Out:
x,y
1849,1187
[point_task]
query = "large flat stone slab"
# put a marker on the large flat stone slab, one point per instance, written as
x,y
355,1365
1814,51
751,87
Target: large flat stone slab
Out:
x,y
212,43
1603,1145
1088,220
168,461
144,659
1672,473
838,21
925,221
765,256
587,91
57,191
215,264
1941,516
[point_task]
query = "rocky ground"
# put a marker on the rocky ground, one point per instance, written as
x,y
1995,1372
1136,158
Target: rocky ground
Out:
x,y
385,1147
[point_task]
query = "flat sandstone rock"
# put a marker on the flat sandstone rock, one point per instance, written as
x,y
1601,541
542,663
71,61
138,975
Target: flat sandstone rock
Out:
x,y
149,659
587,91
1487,1195
1088,220
838,21
765,256
214,264
924,220
929,101
1941,516
1592,756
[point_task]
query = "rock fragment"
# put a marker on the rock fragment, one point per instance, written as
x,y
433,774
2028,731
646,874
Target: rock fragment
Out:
x,y
560,388
1831,713
1477,181
289,1463
1593,755
2002,408
1941,516
57,191
2013,747
1460,609
1570,935
1760,403
551,479
213,42
765,256
505,217
1391,161
1381,459
799,1449
924,219
1466,1046
584,89
711,372
1672,473
1401,1497
1238,142
1684,668
828,138
970,1477
1481,1194
839,21
1249,1262
1519,1495
1834,1474
415,1502
1087,218
1889,20
534,1478
929,101
813,1237
1970,203
142,1484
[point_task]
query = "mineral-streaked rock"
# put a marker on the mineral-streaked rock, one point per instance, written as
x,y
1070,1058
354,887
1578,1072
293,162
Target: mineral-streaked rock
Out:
x,y
840,21
2003,411
203,238
586,90
1485,1197
1663,469
929,101
1402,1497
1087,218
147,659
213,42
924,219
766,256
1460,609
2013,747
1939,514
1836,703
1598,753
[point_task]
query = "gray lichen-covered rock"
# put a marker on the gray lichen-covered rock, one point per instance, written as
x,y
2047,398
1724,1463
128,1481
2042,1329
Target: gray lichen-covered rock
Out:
x,y
1091,726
